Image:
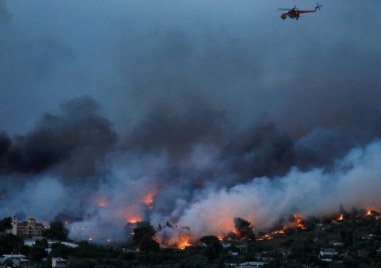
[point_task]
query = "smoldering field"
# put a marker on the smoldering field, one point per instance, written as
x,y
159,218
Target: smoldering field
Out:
x,y
192,124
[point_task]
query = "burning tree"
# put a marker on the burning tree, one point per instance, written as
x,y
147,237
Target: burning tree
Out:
x,y
244,230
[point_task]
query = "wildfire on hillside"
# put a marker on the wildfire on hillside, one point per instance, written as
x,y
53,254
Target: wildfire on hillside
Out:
x,y
270,235
173,235
373,213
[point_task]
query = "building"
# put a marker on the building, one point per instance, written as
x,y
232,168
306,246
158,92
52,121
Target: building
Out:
x,y
59,262
251,264
13,230
327,254
28,229
15,260
30,242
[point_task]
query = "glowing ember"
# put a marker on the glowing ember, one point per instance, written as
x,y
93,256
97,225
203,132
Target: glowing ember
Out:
x,y
280,231
149,199
184,238
221,237
134,220
341,217
101,203
369,213
265,237
271,234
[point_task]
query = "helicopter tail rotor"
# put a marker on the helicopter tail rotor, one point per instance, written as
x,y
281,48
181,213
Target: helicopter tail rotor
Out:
x,y
318,6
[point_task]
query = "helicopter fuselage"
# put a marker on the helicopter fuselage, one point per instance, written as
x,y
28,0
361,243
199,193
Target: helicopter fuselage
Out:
x,y
295,13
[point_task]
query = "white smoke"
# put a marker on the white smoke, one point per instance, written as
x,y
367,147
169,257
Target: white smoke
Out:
x,y
40,197
354,182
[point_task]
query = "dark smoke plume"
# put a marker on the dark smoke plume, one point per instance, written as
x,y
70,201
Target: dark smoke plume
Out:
x,y
206,116
73,141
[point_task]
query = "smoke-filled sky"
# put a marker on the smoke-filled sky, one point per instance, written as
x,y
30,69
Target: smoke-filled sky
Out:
x,y
214,109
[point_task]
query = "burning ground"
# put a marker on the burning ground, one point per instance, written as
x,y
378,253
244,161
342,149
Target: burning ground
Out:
x,y
187,124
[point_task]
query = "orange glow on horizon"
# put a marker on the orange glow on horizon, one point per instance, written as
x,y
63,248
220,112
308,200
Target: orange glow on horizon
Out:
x,y
134,220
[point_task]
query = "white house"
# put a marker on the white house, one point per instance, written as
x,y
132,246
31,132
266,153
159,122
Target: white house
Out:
x,y
326,254
59,262
251,264
18,260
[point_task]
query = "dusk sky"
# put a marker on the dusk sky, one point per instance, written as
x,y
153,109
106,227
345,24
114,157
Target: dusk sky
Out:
x,y
239,57
195,103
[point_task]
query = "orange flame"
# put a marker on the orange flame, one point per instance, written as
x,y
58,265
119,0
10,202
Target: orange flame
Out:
x,y
298,222
280,231
341,217
264,237
184,243
270,235
369,212
221,236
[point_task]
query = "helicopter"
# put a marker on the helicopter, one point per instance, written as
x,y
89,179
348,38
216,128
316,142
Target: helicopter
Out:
x,y
294,13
